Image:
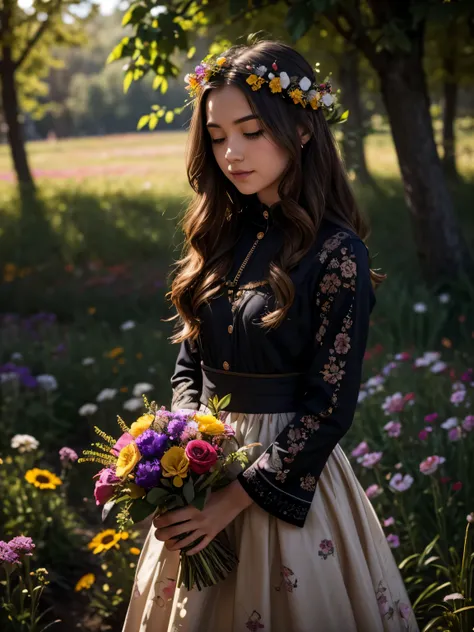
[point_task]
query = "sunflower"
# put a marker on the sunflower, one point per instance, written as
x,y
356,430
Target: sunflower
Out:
x,y
106,540
85,582
43,479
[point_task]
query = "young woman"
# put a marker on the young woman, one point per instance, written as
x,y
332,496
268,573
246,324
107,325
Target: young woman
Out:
x,y
274,295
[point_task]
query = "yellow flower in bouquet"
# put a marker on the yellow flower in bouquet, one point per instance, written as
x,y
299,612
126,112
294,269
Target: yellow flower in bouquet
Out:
x,y
208,424
128,457
141,424
174,462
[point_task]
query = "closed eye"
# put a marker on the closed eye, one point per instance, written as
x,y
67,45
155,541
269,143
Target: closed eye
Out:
x,y
217,141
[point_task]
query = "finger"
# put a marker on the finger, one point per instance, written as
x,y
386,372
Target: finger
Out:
x,y
171,532
177,515
175,545
202,545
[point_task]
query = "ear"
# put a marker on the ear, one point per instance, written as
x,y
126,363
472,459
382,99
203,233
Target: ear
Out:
x,y
304,135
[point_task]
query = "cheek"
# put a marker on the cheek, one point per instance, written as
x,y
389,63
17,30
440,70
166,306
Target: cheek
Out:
x,y
273,158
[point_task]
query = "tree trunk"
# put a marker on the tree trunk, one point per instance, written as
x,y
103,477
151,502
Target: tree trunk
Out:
x,y
441,250
450,89
14,127
353,129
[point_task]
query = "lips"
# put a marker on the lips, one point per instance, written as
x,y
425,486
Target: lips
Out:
x,y
240,174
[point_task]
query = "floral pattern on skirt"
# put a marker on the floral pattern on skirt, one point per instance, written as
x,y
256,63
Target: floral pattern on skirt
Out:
x,y
338,570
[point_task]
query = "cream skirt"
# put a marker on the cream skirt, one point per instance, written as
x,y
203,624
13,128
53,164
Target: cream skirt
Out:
x,y
336,574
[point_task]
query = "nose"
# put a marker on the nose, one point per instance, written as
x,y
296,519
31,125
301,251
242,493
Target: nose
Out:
x,y
234,152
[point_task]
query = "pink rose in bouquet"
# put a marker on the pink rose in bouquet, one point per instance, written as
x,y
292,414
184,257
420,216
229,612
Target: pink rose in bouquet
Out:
x,y
105,486
201,456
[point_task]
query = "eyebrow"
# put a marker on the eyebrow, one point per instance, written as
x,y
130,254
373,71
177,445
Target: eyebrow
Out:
x,y
249,117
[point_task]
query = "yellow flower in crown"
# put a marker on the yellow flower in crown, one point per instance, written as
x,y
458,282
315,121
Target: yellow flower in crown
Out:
x,y
255,81
128,457
220,61
141,424
296,95
208,424
174,462
275,85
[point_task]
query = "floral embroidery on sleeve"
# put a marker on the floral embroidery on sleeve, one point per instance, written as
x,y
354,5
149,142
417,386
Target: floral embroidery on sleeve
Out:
x,y
284,479
253,624
287,582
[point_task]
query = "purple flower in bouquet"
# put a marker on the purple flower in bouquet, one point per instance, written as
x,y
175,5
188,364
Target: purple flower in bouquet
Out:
x,y
105,486
67,455
190,431
7,554
22,544
148,474
124,440
176,426
151,444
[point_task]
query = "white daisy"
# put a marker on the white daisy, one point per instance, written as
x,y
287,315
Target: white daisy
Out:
x,y
88,409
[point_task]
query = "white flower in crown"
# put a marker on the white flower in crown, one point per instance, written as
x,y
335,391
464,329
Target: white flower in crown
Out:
x,y
284,80
260,70
305,84
327,99
313,94
271,76
186,78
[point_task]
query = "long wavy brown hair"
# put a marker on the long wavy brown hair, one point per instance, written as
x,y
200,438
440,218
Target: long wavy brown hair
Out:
x,y
314,185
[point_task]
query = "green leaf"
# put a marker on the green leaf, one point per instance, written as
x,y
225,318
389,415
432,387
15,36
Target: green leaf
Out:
x,y
153,121
127,80
164,85
117,52
157,495
188,490
143,121
169,116
140,510
299,19
225,401
344,115
191,52
135,14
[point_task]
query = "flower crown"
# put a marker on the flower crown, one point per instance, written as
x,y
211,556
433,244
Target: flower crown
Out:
x,y
302,91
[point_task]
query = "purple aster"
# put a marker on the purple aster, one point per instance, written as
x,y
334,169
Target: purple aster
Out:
x,y
67,455
22,544
151,444
148,474
176,426
7,554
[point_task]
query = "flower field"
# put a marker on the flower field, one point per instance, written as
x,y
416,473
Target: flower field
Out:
x,y
84,336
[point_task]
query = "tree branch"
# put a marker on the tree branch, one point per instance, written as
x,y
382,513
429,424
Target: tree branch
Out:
x,y
37,36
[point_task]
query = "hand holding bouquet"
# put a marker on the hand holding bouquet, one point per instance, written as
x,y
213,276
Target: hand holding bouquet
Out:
x,y
164,461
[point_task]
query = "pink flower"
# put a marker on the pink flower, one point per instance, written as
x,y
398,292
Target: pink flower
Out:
x,y
456,487
22,545
393,404
453,596
423,434
389,521
67,456
470,517
393,428
342,344
169,589
431,464
468,423
124,440
455,434
105,485
371,459
361,449
431,417
393,541
457,397
404,355
373,491
401,483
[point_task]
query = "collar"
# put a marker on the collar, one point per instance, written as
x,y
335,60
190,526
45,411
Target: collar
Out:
x,y
258,214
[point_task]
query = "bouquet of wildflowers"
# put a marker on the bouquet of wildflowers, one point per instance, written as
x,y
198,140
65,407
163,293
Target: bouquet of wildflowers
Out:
x,y
164,461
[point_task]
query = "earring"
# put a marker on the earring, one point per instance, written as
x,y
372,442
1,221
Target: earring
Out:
x,y
228,213
302,146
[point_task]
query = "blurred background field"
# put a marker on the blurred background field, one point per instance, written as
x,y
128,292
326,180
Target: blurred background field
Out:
x,y
84,268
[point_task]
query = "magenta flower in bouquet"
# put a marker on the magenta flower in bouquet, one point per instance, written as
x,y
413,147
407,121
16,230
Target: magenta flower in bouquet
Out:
x,y
166,460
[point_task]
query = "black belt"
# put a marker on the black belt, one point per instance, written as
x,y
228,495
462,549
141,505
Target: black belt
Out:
x,y
252,392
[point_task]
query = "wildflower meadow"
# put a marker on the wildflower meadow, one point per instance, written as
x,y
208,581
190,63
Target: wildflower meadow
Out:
x,y
84,336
